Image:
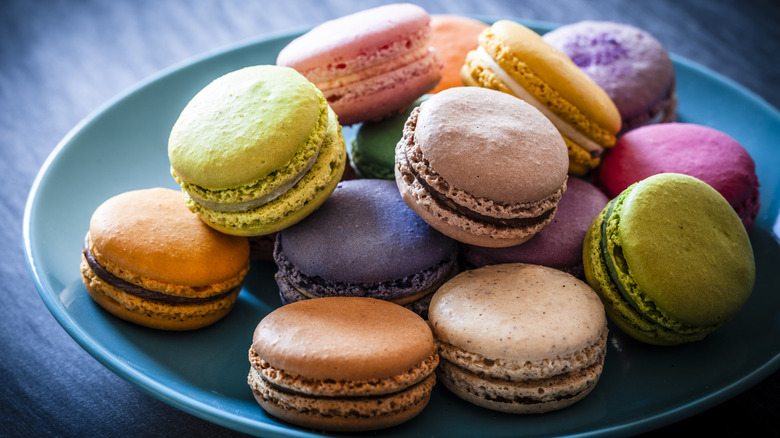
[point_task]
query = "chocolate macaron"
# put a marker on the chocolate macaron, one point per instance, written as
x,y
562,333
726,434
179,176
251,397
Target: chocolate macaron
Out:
x,y
147,259
342,364
364,241
481,166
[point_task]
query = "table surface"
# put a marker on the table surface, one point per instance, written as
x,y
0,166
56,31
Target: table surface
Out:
x,y
60,60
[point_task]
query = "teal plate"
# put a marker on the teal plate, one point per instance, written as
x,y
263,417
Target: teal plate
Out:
x,y
124,146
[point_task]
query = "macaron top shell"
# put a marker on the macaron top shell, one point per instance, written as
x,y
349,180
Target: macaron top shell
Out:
x,y
151,233
491,145
361,38
630,65
453,36
364,233
346,338
506,38
238,129
683,248
705,153
543,313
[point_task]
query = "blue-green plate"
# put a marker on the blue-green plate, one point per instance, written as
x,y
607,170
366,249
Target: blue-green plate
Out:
x,y
124,146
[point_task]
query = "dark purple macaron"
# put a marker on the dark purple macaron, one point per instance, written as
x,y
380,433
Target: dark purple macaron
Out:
x,y
558,245
631,65
364,241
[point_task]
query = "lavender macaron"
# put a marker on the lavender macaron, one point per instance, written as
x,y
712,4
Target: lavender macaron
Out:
x,y
628,63
364,241
559,245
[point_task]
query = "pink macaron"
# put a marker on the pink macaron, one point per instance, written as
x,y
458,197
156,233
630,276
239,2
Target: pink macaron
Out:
x,y
705,153
369,64
559,244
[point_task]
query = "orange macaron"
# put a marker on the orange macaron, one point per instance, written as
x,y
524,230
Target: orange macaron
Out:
x,y
454,37
147,259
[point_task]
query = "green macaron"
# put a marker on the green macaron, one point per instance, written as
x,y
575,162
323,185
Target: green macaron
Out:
x,y
256,150
670,260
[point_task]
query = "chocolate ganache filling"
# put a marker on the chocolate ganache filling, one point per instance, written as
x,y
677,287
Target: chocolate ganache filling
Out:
x,y
141,292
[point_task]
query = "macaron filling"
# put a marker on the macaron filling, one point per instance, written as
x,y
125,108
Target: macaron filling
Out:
x,y
142,292
565,128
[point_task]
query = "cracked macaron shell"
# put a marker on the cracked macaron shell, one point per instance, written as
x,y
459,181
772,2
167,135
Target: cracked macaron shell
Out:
x,y
245,125
682,258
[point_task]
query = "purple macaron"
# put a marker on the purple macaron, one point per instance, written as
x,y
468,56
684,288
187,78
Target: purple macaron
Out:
x,y
364,241
559,244
628,63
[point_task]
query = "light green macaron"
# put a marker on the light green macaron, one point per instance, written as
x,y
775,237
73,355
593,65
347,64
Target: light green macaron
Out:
x,y
256,150
670,259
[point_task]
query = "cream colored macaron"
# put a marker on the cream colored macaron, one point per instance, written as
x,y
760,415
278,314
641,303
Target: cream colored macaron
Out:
x,y
519,338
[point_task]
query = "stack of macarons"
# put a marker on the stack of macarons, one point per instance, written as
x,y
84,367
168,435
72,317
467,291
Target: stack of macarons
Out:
x,y
496,196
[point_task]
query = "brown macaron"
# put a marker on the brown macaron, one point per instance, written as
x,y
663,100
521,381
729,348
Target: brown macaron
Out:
x,y
481,166
519,338
147,259
342,364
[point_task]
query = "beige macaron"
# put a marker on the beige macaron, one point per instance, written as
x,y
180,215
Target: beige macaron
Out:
x,y
519,338
342,364
147,259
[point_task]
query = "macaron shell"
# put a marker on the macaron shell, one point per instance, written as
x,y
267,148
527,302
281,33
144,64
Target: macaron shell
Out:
x,y
543,313
702,270
629,64
343,338
365,233
236,130
152,234
453,36
475,138
705,153
557,70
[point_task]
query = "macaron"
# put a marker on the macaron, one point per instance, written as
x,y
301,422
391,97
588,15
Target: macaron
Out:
x,y
519,338
700,151
516,60
481,166
670,259
148,260
453,36
559,244
369,64
364,241
631,65
373,148
256,150
342,364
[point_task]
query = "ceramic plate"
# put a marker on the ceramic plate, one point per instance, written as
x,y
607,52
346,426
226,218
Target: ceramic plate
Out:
x,y
123,146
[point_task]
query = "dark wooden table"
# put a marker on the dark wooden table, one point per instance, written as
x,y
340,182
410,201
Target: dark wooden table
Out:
x,y
61,60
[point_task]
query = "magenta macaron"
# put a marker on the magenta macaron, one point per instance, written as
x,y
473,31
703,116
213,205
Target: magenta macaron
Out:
x,y
631,65
699,151
369,64
559,244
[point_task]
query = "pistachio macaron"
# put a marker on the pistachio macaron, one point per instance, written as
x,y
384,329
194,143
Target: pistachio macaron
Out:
x,y
670,259
342,364
256,150
519,338
514,59
481,166
147,259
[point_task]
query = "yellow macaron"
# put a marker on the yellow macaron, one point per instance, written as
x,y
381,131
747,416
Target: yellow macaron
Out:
x,y
516,60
